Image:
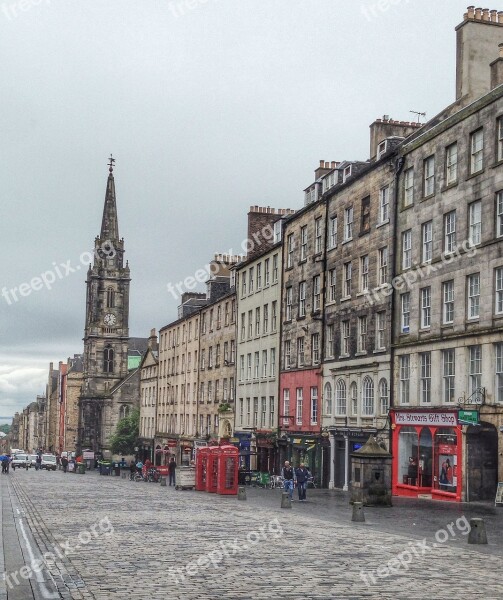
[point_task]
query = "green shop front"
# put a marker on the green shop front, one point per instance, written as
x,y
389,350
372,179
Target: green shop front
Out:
x,y
306,449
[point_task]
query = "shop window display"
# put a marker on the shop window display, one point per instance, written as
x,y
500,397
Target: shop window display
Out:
x,y
408,455
446,466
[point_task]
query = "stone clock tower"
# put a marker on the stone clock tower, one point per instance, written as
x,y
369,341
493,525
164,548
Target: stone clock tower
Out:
x,y
106,334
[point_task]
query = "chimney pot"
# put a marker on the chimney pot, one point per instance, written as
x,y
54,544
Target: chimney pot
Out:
x,y
485,14
494,16
500,16
322,162
471,12
478,14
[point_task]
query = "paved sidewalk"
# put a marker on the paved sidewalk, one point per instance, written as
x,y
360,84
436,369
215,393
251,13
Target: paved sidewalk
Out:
x,y
408,516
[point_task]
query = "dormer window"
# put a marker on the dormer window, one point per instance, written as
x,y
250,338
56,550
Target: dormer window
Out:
x,y
329,181
311,195
277,231
347,173
382,149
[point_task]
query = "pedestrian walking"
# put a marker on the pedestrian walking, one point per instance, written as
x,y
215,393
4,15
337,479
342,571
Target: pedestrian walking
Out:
x,y
139,466
172,470
64,464
288,474
5,463
302,475
38,462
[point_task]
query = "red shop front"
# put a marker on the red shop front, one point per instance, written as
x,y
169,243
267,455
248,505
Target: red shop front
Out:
x,y
427,454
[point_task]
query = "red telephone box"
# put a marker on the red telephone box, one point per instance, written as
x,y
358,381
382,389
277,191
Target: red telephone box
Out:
x,y
201,468
212,469
228,463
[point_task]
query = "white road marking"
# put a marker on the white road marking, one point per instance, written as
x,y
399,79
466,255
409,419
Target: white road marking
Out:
x,y
38,575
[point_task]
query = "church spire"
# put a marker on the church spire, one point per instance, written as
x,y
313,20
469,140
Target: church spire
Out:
x,y
109,223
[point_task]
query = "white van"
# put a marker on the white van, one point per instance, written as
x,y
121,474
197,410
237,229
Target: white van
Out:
x,y
49,462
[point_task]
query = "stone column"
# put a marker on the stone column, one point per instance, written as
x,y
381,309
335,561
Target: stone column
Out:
x,y
331,484
346,461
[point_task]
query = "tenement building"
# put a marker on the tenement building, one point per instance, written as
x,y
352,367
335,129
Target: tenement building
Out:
x,y
196,368
148,400
178,365
448,322
359,253
258,292
302,334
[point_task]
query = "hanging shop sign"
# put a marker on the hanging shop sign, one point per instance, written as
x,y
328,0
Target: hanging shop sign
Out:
x,y
468,417
440,419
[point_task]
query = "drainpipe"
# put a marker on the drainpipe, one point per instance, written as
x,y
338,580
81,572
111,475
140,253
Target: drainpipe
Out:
x,y
399,163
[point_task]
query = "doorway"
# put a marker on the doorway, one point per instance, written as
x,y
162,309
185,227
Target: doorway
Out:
x,y
482,472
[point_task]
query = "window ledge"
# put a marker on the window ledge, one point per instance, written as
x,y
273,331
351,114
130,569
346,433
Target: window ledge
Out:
x,y
450,186
382,224
428,197
361,353
346,298
379,351
347,241
472,175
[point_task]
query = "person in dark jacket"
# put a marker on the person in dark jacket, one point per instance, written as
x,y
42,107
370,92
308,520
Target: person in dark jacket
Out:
x,y
64,464
288,474
302,475
172,471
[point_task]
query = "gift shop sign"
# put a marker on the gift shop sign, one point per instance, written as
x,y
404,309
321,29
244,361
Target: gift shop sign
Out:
x,y
438,419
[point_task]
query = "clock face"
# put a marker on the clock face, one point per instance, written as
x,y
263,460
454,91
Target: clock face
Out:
x,y
110,319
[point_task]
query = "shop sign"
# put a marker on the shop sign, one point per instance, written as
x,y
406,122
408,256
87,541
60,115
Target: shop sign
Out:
x,y
234,440
468,417
172,444
88,455
440,419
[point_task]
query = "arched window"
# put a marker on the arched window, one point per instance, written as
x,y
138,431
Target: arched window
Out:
x,y
328,399
108,359
340,398
110,298
368,397
353,392
383,396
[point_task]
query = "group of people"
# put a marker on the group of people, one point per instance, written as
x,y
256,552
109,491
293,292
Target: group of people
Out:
x,y
295,476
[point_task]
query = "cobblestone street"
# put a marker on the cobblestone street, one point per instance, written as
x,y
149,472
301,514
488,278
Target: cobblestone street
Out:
x,y
118,539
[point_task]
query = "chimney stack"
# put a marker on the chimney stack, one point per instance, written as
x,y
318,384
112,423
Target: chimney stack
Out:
x,y
477,37
497,69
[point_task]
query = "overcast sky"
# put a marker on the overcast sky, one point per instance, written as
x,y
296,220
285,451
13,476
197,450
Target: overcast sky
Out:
x,y
208,110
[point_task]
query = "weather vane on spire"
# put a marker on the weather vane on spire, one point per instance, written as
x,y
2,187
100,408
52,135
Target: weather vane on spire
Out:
x,y
111,163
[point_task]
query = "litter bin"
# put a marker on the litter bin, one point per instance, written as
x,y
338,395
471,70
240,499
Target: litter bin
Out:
x,y
81,468
105,468
117,469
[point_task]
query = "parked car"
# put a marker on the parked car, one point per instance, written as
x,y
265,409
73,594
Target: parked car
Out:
x,y
20,461
49,462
